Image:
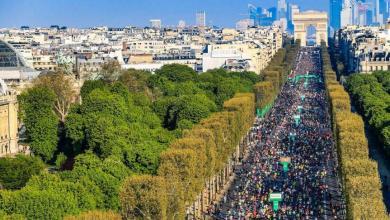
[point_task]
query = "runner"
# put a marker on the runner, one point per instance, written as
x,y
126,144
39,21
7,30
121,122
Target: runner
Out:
x,y
298,131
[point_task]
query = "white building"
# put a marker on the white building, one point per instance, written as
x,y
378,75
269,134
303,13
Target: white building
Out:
x,y
242,25
155,23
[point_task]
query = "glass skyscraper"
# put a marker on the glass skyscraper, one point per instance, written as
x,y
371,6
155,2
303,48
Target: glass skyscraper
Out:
x,y
335,7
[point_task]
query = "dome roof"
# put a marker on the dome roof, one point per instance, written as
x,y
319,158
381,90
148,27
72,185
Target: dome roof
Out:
x,y
9,57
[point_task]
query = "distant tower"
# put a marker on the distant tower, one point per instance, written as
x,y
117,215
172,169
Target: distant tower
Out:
x,y
293,9
155,23
335,7
201,19
255,14
273,13
346,14
381,12
282,9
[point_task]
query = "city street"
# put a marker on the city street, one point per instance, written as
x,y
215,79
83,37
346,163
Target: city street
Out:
x,y
294,160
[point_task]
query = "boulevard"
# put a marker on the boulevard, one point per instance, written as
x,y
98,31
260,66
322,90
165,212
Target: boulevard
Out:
x,y
294,156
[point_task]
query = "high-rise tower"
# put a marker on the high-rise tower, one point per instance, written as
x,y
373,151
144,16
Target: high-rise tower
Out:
x,y
201,19
335,7
282,9
346,13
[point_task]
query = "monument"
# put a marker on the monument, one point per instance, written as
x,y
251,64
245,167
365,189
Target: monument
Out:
x,y
303,20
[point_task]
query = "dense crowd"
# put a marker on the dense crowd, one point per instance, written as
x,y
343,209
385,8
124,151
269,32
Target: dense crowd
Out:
x,y
310,188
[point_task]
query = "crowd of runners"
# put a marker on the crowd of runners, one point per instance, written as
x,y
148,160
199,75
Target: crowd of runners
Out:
x,y
297,130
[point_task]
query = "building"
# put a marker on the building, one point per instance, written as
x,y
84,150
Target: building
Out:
x,y
273,13
181,24
304,20
384,9
346,14
335,7
244,24
365,49
262,16
282,9
155,23
13,68
294,9
252,54
201,19
84,51
8,122
365,12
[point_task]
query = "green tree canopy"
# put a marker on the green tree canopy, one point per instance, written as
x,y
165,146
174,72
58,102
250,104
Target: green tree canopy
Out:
x,y
41,123
15,172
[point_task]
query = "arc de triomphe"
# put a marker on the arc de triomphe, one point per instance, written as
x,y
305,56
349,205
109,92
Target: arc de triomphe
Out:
x,y
319,20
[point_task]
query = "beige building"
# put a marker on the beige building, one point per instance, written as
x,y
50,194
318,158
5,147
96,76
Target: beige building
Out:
x,y
8,122
44,62
252,54
371,65
140,58
365,49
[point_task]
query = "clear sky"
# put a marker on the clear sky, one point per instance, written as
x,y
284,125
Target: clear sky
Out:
x,y
120,13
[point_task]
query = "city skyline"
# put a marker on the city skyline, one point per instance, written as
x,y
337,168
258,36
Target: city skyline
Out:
x,y
120,13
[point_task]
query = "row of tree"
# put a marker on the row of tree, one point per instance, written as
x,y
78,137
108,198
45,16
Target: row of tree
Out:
x,y
384,78
124,122
361,182
190,163
371,95
275,74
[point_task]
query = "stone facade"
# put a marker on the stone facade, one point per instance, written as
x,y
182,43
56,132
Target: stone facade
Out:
x,y
8,125
365,49
319,20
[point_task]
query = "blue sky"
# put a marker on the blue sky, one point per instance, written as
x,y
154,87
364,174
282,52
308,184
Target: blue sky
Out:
x,y
118,13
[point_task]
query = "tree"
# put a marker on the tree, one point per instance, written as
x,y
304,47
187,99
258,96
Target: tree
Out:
x,y
185,88
38,204
135,80
144,157
178,166
106,102
144,197
190,108
15,172
41,123
177,73
110,71
362,183
89,86
89,166
75,132
83,197
4,216
95,215
63,88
